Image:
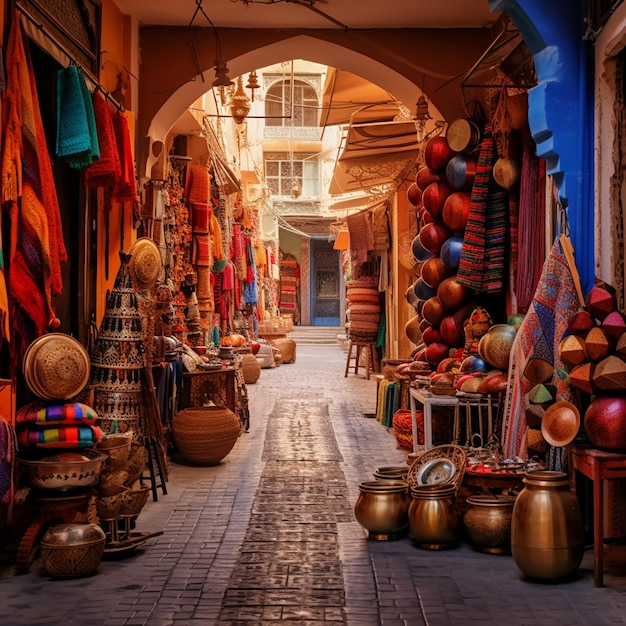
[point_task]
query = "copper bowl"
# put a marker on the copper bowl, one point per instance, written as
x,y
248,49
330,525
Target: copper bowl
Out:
x,y
71,550
66,470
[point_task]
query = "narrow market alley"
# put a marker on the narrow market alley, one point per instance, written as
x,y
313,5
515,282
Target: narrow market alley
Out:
x,y
269,536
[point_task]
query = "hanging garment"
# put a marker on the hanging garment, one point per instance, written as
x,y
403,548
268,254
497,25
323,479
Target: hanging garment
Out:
x,y
106,171
77,137
8,448
126,188
29,198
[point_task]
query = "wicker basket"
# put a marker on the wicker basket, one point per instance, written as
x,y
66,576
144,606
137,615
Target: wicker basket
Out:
x,y
117,446
456,454
133,500
205,435
250,368
137,462
108,507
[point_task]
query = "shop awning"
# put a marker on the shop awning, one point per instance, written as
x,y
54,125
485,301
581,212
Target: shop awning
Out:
x,y
345,94
375,156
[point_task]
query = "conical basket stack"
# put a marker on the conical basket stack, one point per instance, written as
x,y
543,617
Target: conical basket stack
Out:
x,y
116,359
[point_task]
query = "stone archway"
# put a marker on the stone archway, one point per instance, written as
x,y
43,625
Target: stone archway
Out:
x,y
302,47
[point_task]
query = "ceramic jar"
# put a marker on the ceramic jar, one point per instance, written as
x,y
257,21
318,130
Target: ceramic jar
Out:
x,y
434,516
546,527
382,508
487,522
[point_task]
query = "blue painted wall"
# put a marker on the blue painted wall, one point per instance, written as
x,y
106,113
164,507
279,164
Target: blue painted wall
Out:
x,y
561,109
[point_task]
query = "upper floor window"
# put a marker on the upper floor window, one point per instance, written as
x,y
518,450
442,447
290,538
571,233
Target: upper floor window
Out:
x,y
293,175
278,99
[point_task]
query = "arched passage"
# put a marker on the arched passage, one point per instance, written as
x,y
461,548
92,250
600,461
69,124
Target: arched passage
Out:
x,y
301,47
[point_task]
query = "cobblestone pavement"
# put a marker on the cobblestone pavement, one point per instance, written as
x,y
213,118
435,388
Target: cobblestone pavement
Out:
x,y
268,536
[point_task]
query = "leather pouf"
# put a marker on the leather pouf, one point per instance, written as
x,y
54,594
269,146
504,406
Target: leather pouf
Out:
x,y
605,423
287,349
205,435
425,176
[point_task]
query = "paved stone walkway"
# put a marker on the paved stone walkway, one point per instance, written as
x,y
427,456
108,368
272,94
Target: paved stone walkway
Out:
x,y
268,536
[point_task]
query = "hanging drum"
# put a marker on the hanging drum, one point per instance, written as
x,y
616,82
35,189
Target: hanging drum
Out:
x,y
464,135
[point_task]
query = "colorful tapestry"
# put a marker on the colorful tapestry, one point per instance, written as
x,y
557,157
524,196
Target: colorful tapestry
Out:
x,y
555,301
483,254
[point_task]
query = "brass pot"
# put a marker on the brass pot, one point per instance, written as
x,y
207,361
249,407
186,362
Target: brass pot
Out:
x,y
72,550
382,508
487,522
434,516
546,527
392,472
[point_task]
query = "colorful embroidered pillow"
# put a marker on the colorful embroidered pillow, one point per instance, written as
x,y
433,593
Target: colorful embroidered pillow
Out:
x,y
66,413
60,437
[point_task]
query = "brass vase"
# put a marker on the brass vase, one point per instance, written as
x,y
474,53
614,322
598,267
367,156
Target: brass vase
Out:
x,y
382,508
434,516
392,472
487,522
546,527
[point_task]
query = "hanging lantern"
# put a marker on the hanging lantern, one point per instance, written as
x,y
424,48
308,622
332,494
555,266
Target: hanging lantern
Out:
x,y
239,103
253,83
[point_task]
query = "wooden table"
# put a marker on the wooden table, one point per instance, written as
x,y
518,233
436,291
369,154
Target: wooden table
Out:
x,y
599,466
217,386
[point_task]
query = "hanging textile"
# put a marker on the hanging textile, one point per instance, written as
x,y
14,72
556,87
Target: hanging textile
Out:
x,y
77,137
106,171
482,257
126,188
361,235
197,196
29,200
555,301
532,222
380,228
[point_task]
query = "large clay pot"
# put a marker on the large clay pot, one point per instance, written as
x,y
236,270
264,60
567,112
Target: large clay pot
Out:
x,y
382,508
546,527
433,516
205,435
605,422
487,522
495,345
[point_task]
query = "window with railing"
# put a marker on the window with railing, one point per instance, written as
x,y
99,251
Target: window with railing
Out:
x,y
292,175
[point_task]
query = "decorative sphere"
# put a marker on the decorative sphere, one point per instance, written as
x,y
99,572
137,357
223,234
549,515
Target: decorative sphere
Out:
x,y
451,252
425,217
495,345
414,195
425,176
437,153
435,196
433,311
420,253
452,331
472,364
452,294
422,290
605,423
456,210
434,271
433,236
431,335
437,352
460,171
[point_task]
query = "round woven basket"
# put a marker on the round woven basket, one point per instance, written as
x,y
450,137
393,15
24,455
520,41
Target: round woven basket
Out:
x,y
205,435
250,368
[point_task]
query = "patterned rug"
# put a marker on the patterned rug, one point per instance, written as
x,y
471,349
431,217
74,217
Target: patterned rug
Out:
x,y
555,301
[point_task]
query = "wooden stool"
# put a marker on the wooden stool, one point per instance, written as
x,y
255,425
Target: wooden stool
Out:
x,y
156,471
370,354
